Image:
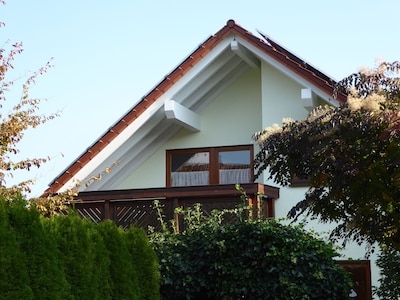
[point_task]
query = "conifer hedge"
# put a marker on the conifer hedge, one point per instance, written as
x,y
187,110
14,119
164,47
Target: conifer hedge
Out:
x,y
66,257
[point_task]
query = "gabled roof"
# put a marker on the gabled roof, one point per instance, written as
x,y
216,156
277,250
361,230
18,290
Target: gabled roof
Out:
x,y
199,65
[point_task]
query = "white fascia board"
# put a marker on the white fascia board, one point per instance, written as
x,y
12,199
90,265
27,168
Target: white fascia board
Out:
x,y
244,54
88,170
91,167
266,58
182,115
146,149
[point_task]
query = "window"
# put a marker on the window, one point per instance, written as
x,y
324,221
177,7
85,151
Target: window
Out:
x,y
222,165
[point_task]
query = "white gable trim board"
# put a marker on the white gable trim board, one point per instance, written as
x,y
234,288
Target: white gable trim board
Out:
x,y
112,152
186,88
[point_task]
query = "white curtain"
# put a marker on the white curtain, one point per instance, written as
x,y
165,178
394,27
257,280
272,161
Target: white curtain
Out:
x,y
227,176
234,176
190,178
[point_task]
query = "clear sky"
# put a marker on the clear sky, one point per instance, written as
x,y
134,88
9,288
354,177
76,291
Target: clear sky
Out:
x,y
108,54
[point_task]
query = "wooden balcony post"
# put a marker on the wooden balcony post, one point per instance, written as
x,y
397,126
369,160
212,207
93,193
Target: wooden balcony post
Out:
x,y
107,209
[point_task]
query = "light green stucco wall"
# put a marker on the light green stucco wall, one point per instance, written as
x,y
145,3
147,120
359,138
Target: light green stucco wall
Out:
x,y
254,101
230,119
281,97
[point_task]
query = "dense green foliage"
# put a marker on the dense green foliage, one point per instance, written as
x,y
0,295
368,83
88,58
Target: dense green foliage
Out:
x,y
46,277
66,257
389,263
350,155
247,259
74,241
125,284
14,278
146,263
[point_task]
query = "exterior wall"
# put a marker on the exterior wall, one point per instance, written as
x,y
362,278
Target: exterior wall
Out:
x,y
254,101
281,98
230,119
257,99
289,196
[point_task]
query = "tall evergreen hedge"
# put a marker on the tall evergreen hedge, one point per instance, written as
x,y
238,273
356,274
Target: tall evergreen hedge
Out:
x,y
146,263
125,283
66,257
14,279
73,239
46,277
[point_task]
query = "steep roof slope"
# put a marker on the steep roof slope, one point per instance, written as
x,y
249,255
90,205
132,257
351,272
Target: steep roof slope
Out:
x,y
201,78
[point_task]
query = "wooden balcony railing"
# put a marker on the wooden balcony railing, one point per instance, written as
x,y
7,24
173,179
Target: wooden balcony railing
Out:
x,y
135,206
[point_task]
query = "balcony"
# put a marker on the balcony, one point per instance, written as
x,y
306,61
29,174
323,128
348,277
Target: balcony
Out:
x,y
136,206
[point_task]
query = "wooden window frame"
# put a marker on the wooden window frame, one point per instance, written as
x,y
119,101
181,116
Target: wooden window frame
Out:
x,y
213,153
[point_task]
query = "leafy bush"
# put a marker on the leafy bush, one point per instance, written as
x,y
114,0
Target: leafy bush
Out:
x,y
389,263
260,259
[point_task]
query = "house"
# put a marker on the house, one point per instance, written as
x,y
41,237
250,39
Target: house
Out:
x,y
190,137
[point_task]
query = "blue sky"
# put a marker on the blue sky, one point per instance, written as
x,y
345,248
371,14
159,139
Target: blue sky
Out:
x,y
108,54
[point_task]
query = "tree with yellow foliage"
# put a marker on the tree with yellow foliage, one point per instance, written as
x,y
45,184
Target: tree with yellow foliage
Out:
x,y
14,124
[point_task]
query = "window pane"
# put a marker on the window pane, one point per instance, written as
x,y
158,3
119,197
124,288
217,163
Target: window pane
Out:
x,y
234,167
190,169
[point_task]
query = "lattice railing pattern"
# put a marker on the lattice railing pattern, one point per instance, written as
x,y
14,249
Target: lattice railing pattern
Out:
x,y
92,211
135,206
140,213
127,213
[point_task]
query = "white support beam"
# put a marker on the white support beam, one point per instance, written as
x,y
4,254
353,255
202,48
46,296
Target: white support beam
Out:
x,y
245,54
308,99
182,115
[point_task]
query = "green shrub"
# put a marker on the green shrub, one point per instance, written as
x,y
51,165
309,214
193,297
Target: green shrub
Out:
x,y
248,259
124,284
46,275
146,263
66,257
78,254
101,276
14,278
389,263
